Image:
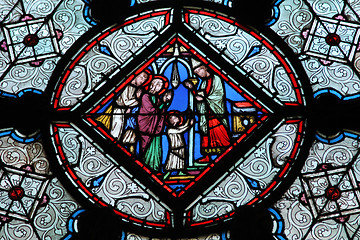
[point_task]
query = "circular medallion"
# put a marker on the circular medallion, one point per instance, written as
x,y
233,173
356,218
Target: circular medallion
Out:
x,y
333,39
333,193
16,193
31,40
177,127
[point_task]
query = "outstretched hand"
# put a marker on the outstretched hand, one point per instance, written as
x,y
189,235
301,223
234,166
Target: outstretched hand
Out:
x,y
187,84
168,96
199,98
138,93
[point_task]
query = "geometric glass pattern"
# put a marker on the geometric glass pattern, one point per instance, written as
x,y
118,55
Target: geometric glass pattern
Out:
x,y
332,193
166,120
21,193
31,40
149,119
243,115
332,39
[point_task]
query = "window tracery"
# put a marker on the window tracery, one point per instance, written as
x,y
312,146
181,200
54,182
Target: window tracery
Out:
x,y
179,119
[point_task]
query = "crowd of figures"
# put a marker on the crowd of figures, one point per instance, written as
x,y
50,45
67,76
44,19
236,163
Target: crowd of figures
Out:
x,y
140,113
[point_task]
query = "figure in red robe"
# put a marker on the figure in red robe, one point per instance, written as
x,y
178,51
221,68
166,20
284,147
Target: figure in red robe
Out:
x,y
213,123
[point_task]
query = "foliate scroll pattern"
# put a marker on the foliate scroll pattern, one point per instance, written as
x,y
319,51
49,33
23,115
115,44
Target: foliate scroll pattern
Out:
x,y
337,76
327,8
125,195
328,230
10,12
351,10
294,206
261,166
356,164
24,76
224,36
337,155
282,143
116,186
50,217
264,162
67,16
128,40
353,221
50,221
15,154
17,230
69,19
120,47
40,9
297,217
267,71
224,198
236,45
300,224
294,16
212,236
86,76
86,160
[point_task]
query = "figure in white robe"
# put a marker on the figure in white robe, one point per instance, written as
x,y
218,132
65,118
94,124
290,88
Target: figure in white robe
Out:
x,y
175,133
127,101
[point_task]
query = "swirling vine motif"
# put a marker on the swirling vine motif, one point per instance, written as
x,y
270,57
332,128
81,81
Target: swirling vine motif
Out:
x,y
235,44
116,187
283,143
19,230
234,190
124,43
17,154
51,220
223,36
10,13
337,75
67,17
327,8
94,65
87,161
303,223
294,16
337,155
86,76
213,236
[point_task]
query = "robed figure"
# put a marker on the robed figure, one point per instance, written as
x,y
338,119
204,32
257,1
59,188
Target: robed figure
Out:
x,y
210,105
151,120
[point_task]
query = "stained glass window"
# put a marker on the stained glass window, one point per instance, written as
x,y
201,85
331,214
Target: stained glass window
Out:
x,y
179,119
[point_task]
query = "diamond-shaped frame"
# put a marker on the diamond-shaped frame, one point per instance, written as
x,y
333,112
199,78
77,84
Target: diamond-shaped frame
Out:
x,y
46,47
33,185
348,33
178,185
85,110
316,185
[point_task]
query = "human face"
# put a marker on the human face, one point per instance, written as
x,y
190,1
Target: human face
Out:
x,y
155,86
174,120
140,79
202,71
